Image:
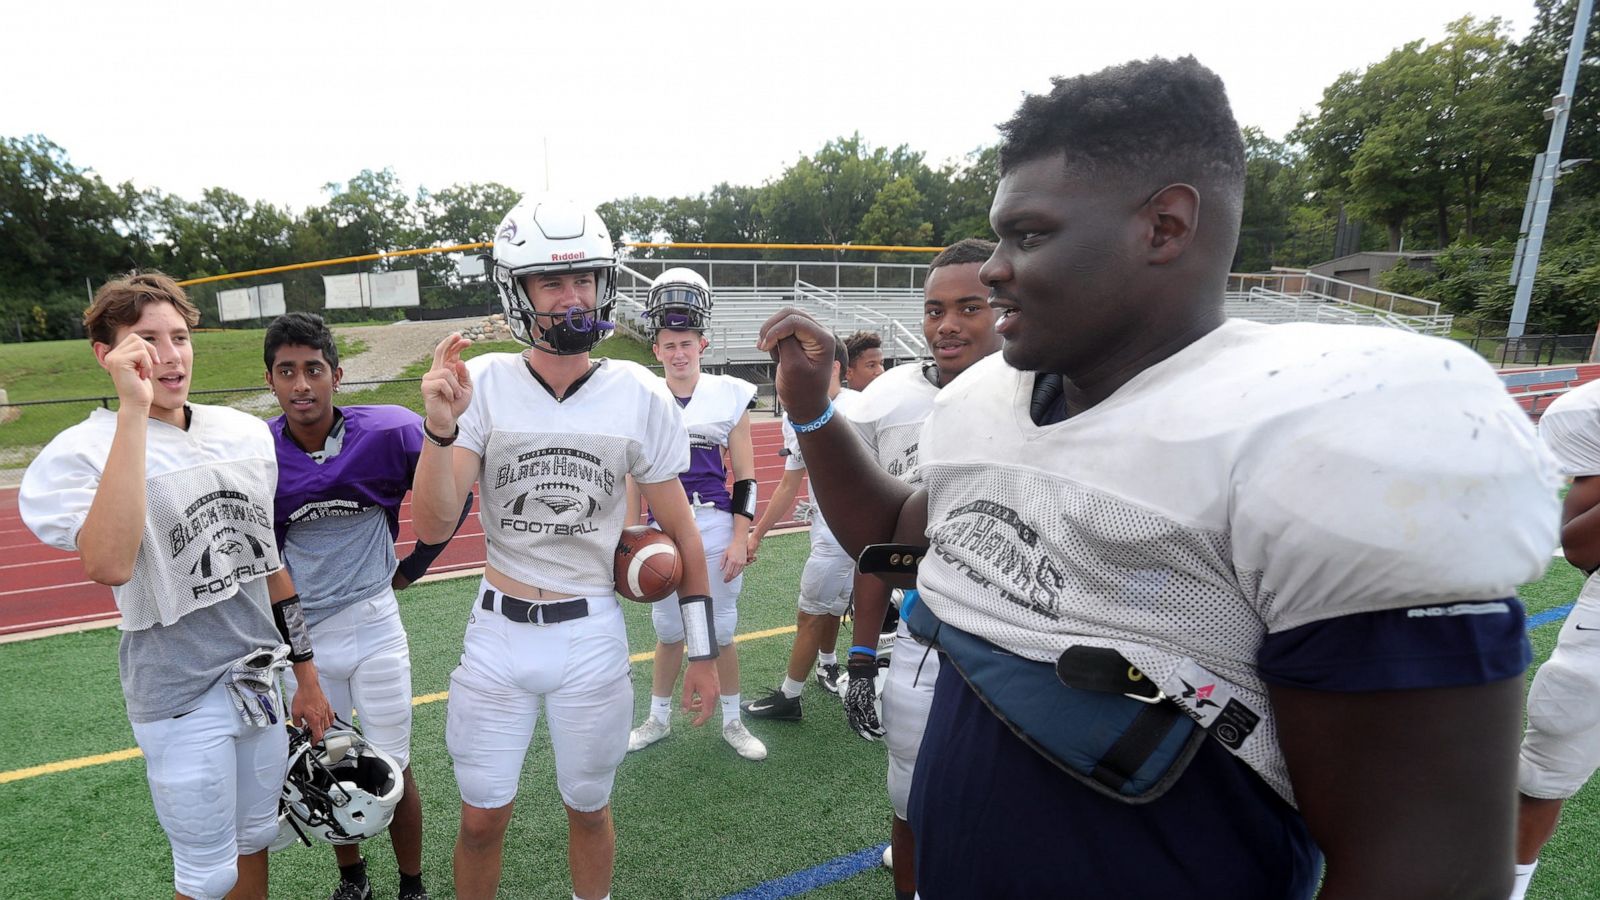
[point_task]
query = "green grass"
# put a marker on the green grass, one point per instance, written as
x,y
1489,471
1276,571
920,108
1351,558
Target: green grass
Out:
x,y
61,370
693,820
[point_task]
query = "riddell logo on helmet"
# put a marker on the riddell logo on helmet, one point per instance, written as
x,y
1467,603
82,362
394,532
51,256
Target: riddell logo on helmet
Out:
x,y
563,257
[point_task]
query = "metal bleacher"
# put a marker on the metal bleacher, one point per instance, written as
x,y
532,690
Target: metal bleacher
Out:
x,y
887,298
892,310
1304,297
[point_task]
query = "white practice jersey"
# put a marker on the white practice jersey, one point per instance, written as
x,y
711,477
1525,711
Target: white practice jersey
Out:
x,y
891,413
1571,429
1263,478
794,460
552,479
719,402
713,410
208,507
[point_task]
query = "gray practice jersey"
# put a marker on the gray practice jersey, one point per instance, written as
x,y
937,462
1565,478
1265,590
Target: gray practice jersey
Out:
x,y
198,597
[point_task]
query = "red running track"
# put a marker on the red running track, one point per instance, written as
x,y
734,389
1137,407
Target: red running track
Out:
x,y
42,587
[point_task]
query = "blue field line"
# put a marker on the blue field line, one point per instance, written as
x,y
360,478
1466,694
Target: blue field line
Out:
x,y
1554,614
837,869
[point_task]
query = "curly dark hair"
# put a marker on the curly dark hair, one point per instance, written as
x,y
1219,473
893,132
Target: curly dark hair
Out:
x,y
1163,120
861,342
300,329
970,250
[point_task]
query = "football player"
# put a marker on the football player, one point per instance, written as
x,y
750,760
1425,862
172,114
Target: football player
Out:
x,y
1221,601
551,435
716,410
1561,748
207,608
824,582
342,474
958,325
865,351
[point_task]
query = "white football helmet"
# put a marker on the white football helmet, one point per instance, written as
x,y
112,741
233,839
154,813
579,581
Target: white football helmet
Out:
x,y
679,298
544,234
340,791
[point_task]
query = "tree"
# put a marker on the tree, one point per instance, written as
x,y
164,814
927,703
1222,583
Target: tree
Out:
x,y
368,214
896,216
1273,187
1428,130
463,213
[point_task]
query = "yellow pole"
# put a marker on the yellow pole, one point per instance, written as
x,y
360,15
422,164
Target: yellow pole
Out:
x,y
484,245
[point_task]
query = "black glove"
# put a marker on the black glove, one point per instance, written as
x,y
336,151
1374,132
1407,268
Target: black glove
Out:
x,y
861,699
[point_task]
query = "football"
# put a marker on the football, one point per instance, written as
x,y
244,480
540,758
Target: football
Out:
x,y
648,567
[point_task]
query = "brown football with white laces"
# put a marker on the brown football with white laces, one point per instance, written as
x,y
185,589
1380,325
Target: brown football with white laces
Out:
x,y
648,567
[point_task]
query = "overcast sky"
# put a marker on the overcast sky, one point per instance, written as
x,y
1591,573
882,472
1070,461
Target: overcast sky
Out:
x,y
273,100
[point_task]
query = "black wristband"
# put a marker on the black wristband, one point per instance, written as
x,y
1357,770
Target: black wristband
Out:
x,y
291,622
744,498
862,667
438,441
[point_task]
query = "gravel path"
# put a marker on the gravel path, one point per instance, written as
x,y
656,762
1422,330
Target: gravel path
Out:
x,y
389,349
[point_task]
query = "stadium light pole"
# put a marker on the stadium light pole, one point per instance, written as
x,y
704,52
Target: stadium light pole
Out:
x,y
1545,173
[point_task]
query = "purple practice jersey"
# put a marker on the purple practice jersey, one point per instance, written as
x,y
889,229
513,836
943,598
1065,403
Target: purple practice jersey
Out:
x,y
719,402
337,518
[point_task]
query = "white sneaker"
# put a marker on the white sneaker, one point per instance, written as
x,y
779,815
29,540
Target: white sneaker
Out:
x,y
650,731
888,857
740,738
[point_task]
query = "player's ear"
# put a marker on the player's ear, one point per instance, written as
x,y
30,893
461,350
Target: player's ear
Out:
x,y
1172,215
100,351
338,376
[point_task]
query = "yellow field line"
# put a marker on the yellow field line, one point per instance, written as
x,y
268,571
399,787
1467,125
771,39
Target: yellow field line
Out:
x,y
100,759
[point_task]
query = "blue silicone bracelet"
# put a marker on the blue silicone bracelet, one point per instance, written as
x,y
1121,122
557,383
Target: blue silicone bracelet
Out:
x,y
865,651
814,424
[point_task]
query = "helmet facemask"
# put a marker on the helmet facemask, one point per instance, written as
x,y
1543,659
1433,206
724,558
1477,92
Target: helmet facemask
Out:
x,y
567,333
340,791
679,300
544,236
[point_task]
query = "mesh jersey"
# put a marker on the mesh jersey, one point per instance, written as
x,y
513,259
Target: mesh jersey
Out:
x,y
552,471
1570,427
1263,478
337,520
717,405
821,534
890,415
208,507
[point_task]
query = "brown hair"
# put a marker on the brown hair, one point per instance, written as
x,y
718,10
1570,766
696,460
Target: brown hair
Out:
x,y
121,301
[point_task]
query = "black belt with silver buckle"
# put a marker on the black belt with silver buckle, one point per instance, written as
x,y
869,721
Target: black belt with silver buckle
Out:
x,y
537,613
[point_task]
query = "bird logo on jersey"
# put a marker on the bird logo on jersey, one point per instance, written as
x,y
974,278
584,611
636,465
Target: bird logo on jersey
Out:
x,y
220,563
558,497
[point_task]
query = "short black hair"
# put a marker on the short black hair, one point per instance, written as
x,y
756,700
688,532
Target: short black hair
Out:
x,y
861,342
301,329
963,252
1166,120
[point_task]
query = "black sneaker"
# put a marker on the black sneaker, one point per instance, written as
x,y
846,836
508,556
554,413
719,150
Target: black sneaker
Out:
x,y
419,894
773,706
828,677
349,890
